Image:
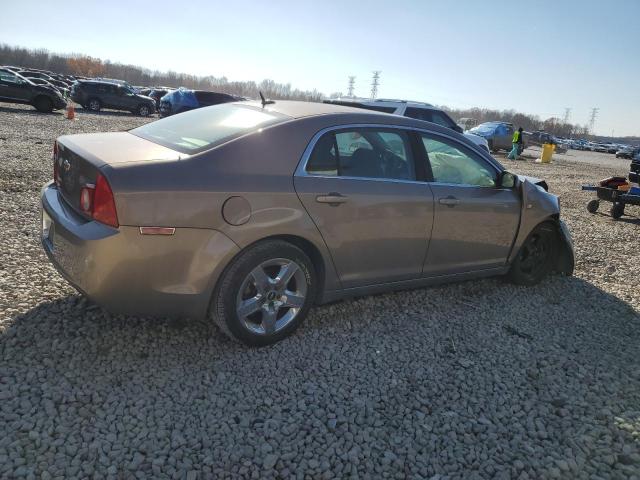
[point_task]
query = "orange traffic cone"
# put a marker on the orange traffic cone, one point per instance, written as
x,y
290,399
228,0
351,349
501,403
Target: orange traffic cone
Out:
x,y
71,111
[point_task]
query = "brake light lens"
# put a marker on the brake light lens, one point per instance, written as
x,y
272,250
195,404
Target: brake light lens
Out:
x,y
104,205
97,200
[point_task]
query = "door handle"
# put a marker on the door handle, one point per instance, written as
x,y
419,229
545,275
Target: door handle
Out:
x,y
334,199
449,201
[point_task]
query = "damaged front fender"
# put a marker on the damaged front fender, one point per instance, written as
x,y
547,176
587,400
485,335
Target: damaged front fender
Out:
x,y
540,206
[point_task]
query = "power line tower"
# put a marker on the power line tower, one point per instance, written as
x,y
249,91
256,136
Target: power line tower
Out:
x,y
375,83
592,119
567,115
352,82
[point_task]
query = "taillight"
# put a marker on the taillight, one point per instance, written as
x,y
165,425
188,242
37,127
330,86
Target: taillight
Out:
x,y
56,176
97,200
104,205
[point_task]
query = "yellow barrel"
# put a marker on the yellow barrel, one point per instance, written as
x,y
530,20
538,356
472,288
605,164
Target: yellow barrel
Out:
x,y
547,152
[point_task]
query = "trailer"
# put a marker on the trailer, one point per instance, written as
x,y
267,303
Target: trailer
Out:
x,y
619,199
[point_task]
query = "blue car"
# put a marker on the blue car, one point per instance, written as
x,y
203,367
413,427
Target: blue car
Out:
x,y
499,135
184,99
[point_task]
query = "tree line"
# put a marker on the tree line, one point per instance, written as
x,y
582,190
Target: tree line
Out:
x,y
84,65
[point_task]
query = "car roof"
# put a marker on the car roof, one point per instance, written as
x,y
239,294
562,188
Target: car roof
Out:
x,y
335,115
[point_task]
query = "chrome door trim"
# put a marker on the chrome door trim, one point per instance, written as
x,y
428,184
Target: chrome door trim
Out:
x,y
302,164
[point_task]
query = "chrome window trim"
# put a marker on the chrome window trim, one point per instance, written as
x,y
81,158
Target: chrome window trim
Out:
x,y
302,164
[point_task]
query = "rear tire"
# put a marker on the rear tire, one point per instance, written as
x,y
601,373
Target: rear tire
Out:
x,y
43,104
536,257
94,105
265,293
592,206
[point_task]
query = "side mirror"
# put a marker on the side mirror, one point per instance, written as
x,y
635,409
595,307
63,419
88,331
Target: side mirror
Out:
x,y
506,180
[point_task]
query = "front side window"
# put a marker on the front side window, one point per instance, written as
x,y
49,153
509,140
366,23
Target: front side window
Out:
x,y
8,77
363,153
451,163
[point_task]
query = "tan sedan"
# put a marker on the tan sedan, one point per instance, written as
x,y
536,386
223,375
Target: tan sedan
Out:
x,y
251,212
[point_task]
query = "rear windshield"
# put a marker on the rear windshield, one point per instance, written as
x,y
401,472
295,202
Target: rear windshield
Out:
x,y
198,130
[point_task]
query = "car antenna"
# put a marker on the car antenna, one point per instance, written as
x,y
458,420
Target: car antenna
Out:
x,y
265,101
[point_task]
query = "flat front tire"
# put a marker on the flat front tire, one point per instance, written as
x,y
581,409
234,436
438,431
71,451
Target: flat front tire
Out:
x,y
536,257
265,294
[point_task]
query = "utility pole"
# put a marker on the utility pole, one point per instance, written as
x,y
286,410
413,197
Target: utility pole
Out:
x,y
592,120
567,115
374,83
352,82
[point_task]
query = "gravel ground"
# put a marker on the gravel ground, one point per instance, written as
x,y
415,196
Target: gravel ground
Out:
x,y
474,380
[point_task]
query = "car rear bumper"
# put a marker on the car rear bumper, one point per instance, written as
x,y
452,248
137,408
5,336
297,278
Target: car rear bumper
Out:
x,y
129,273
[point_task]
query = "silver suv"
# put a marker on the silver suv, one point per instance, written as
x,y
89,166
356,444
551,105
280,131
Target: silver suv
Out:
x,y
406,108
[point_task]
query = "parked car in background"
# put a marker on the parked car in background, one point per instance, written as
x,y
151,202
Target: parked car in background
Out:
x,y
628,152
499,135
95,95
157,94
35,74
14,88
601,148
406,108
184,99
540,137
178,217
611,148
52,83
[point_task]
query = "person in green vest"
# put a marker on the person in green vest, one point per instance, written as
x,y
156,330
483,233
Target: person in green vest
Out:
x,y
517,144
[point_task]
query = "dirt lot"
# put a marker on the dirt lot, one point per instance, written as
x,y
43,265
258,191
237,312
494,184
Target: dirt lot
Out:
x,y
472,380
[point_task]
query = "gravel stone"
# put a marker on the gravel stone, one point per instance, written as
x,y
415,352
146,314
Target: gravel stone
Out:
x,y
470,380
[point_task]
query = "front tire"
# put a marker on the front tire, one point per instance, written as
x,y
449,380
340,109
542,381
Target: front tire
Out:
x,y
43,104
94,105
265,294
536,257
144,110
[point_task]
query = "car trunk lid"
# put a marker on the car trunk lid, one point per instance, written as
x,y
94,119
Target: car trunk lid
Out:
x,y
81,158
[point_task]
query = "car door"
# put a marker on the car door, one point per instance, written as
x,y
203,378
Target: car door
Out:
x,y
122,97
359,187
475,222
12,87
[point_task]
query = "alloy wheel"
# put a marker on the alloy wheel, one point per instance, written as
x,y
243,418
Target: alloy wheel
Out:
x,y
534,254
271,296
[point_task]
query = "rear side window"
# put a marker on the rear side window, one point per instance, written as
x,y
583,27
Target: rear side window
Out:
x,y
212,98
433,116
199,130
418,113
440,118
377,108
363,153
